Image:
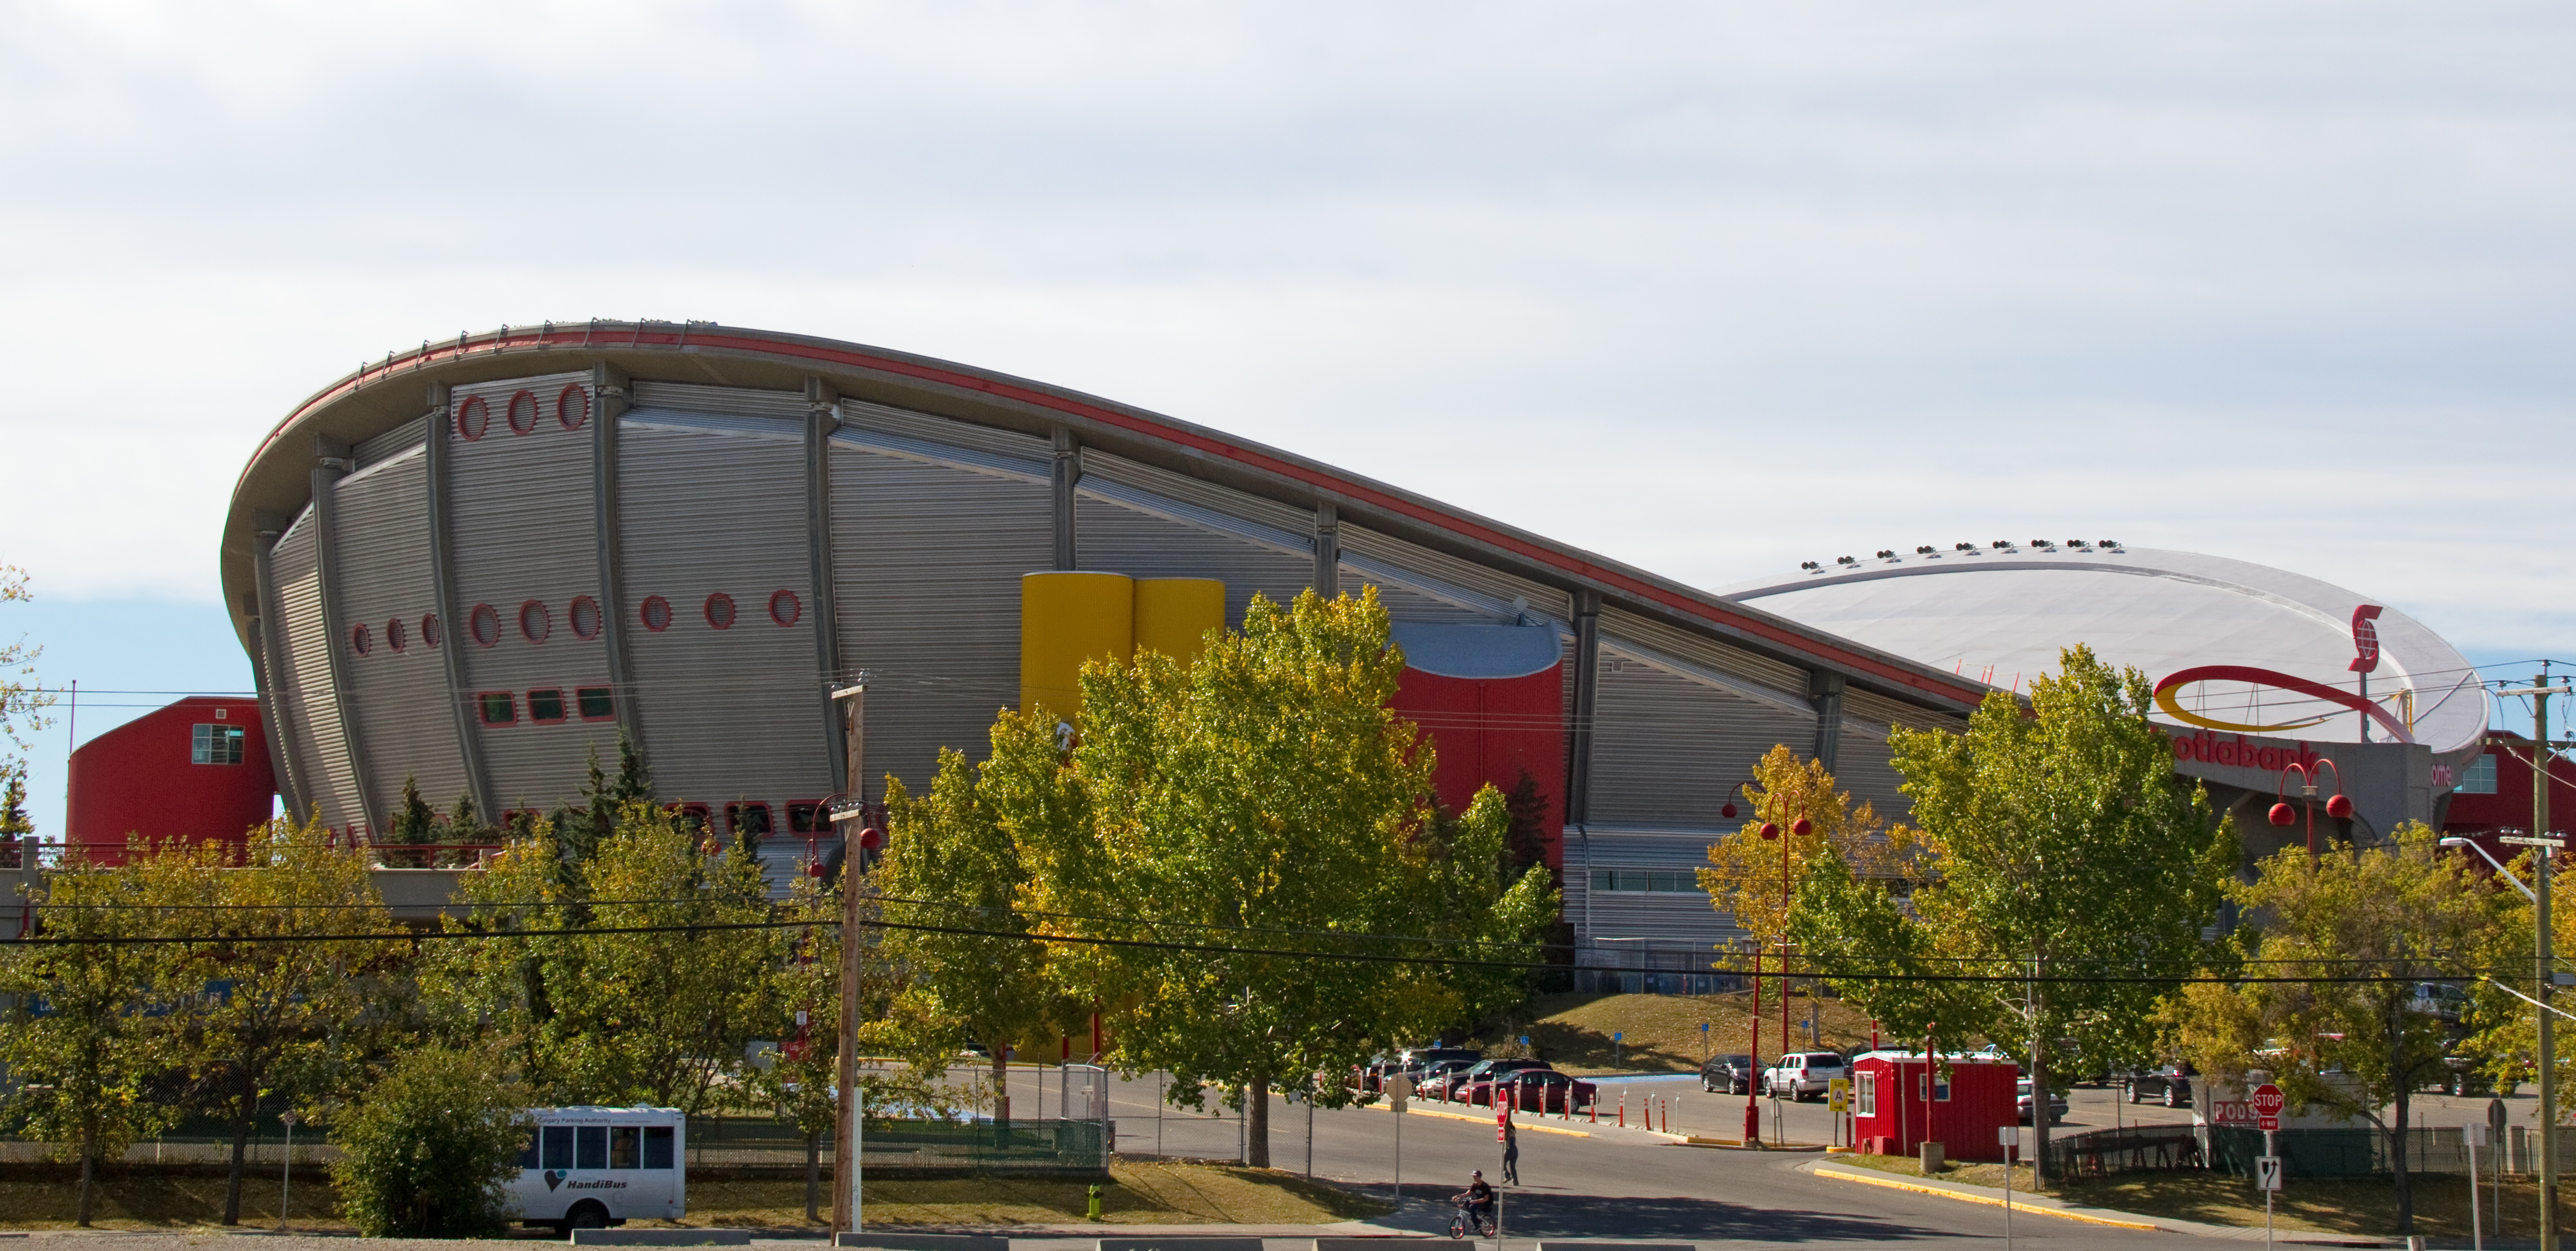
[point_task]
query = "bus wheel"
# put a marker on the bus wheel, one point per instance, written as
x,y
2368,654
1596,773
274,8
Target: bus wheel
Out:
x,y
586,1215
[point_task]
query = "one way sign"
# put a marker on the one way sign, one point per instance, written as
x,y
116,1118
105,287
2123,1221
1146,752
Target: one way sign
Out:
x,y
2267,1172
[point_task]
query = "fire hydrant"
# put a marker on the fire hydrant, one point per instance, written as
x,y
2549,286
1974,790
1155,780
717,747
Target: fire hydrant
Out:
x,y
1094,1213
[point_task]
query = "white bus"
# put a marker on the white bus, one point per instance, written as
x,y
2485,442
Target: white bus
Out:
x,y
589,1168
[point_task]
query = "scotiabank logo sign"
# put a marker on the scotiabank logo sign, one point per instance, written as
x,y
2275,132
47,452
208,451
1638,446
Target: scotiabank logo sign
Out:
x,y
2169,692
2240,752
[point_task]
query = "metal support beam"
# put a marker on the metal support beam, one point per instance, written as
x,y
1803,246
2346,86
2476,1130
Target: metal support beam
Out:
x,y
609,391
1587,680
272,698
1328,550
335,464
1067,471
453,630
1825,695
822,417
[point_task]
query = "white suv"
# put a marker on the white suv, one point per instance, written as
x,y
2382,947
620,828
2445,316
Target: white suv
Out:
x,y
1804,1074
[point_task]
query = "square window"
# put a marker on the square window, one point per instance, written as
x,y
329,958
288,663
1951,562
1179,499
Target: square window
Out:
x,y
1868,1091
215,744
623,1151
657,1146
558,1150
596,703
528,1153
1631,880
2479,778
1670,881
747,820
591,1147
498,707
545,707
1603,879
806,819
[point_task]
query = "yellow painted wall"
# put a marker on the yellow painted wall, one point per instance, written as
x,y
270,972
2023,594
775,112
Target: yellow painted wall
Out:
x,y
1173,615
1066,619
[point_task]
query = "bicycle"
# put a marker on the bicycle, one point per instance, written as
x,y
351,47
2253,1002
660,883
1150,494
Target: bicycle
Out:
x,y
1466,1217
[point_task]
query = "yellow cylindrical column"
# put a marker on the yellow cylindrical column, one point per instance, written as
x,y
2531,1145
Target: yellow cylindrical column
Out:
x,y
1066,619
1173,615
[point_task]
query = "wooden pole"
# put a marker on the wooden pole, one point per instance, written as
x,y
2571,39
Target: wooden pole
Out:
x,y
845,1137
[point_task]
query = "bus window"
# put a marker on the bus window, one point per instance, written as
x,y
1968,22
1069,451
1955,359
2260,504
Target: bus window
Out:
x,y
622,1151
593,1144
528,1154
657,1146
558,1146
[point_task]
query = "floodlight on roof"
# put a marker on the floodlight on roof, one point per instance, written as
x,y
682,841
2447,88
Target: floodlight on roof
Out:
x,y
1845,560
1963,547
1886,554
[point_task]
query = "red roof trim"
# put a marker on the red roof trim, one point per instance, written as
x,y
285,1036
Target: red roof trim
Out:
x,y
708,337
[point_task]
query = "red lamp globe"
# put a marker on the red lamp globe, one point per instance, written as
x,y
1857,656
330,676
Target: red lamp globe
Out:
x,y
1802,826
1769,830
2283,814
1727,810
2339,807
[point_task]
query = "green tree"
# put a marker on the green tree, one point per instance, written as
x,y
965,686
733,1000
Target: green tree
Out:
x,y
2365,926
1753,879
1262,797
259,1010
14,822
415,824
81,1043
425,1152
2058,847
22,703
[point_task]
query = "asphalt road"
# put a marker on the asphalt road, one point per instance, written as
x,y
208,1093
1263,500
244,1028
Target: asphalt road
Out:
x,y
1612,1184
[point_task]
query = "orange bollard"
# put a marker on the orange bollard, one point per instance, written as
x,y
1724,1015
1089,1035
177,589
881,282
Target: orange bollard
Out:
x,y
1596,1106
1623,1109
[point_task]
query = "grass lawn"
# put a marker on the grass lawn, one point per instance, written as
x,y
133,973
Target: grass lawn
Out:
x,y
41,1197
1572,1031
2357,1206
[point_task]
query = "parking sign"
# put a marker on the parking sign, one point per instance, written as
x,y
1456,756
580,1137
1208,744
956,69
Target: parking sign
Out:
x,y
1838,1094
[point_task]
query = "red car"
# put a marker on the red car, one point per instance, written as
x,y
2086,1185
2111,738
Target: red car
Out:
x,y
1535,1090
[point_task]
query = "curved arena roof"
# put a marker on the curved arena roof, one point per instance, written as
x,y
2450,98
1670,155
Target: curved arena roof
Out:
x,y
2195,624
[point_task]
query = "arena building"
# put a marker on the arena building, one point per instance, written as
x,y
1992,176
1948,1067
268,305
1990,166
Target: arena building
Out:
x,y
472,565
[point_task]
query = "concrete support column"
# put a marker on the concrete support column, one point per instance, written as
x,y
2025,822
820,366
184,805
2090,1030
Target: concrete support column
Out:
x,y
609,391
1067,471
1328,550
822,417
291,786
335,464
454,630
1587,680
1825,695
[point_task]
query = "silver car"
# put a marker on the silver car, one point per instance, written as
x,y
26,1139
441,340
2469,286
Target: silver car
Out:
x,y
1805,1074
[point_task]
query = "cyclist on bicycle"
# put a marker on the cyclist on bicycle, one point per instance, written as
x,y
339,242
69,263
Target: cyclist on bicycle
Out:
x,y
1477,1199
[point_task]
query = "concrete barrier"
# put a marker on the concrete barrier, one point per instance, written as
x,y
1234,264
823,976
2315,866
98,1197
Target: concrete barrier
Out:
x,y
923,1242
661,1237
1556,1244
1180,1244
1385,1244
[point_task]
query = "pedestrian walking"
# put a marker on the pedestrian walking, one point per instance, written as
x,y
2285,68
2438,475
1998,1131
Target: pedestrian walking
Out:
x,y
1511,1153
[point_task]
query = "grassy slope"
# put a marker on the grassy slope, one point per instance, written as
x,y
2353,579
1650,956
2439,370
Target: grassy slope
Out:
x,y
1662,1031
1158,1194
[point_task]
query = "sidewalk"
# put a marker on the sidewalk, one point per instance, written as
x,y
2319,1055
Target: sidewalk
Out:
x,y
2060,1209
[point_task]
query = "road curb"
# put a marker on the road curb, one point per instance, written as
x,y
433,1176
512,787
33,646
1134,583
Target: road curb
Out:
x,y
1967,1195
1536,1127
2101,1216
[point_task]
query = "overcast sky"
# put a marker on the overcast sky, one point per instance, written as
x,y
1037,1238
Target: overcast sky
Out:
x,y
1711,288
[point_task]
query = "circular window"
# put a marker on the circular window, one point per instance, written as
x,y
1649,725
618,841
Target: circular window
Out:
x,y
785,608
473,418
585,617
572,406
657,613
395,635
485,624
523,412
720,611
535,623
429,628
359,640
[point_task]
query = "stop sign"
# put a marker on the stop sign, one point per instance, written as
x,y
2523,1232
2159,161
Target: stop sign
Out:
x,y
2267,1106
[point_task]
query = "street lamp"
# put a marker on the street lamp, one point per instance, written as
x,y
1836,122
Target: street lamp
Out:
x,y
2455,843
2544,854
2338,806
1752,1099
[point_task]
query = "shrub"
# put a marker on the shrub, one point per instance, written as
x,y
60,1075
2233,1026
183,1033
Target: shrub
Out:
x,y
424,1153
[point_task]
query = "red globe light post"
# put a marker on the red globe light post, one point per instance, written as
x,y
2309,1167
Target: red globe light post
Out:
x,y
2338,806
1752,1097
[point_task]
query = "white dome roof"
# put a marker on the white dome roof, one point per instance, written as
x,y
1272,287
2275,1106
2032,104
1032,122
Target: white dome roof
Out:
x,y
2002,615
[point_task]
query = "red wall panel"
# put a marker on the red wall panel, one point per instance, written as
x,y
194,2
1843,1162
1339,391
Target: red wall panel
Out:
x,y
1491,730
138,778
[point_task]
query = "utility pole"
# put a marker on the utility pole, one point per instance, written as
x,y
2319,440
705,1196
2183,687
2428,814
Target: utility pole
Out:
x,y
2545,854
845,1135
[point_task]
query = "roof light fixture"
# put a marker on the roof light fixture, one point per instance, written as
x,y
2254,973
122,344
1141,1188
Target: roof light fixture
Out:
x,y
1886,554
1845,560
1963,547
1924,550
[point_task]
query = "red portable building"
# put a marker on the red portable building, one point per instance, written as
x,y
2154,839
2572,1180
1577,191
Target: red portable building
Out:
x,y
1895,1109
196,771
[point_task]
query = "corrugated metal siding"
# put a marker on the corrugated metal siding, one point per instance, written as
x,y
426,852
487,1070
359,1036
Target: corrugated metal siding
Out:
x,y
392,443
525,529
398,698
1121,529
1708,653
1225,501
1881,713
321,749
943,432
710,503
1668,742
1862,767
690,397
928,547
1665,919
1471,585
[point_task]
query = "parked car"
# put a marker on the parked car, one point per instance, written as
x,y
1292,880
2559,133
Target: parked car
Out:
x,y
1454,1085
2167,1083
1534,1090
1805,1074
2021,1103
1429,1078
1727,1075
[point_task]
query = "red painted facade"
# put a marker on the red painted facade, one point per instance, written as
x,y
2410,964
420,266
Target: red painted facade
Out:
x,y
2508,806
1893,1115
143,777
1492,730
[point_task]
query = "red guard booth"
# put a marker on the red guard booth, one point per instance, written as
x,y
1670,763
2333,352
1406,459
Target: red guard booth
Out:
x,y
1894,1110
